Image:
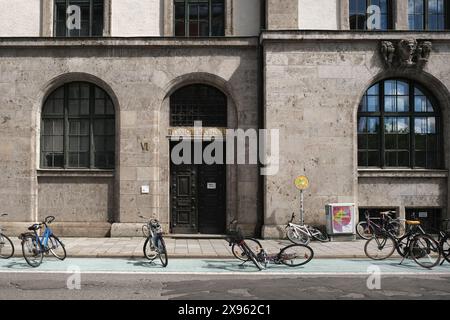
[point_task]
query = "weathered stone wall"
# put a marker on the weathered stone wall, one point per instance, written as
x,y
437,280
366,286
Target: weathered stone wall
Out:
x,y
139,75
312,91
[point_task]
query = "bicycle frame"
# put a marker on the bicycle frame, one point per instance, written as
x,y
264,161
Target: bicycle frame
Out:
x,y
43,240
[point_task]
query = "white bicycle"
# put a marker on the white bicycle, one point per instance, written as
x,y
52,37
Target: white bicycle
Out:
x,y
302,234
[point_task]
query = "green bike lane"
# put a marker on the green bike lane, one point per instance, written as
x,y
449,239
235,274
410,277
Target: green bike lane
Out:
x,y
317,267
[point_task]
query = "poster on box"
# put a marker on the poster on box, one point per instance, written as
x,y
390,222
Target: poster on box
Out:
x,y
342,219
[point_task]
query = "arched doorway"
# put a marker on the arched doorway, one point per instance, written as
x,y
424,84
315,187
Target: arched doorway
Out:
x,y
198,189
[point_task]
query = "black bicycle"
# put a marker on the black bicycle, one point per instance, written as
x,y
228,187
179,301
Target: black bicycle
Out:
x,y
366,228
415,244
154,246
250,249
6,245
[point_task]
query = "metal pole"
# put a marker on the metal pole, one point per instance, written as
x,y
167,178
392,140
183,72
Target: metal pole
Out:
x,y
302,210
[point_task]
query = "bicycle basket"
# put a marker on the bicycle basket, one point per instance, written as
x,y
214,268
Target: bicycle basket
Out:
x,y
234,237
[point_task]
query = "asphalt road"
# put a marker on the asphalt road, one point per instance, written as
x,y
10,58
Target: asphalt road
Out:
x,y
221,280
192,287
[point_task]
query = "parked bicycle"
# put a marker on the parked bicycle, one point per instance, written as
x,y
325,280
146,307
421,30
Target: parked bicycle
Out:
x,y
302,234
154,246
293,255
415,244
444,241
6,245
35,246
366,228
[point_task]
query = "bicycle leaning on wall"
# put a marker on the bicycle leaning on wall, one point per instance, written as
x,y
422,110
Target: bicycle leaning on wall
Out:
x,y
303,233
154,246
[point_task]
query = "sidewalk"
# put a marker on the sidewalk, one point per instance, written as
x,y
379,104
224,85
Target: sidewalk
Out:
x,y
191,248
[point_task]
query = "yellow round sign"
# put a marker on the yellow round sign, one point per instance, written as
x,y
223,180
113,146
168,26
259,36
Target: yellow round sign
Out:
x,y
302,183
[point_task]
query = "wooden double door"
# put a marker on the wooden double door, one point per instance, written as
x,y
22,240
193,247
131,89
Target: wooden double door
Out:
x,y
198,198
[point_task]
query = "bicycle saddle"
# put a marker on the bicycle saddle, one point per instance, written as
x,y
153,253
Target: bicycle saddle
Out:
x,y
34,227
386,213
412,222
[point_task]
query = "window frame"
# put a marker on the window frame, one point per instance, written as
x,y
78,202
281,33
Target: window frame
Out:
x,y
412,114
390,17
91,19
66,117
425,17
187,18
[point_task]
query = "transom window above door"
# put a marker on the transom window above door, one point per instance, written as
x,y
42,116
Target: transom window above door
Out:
x,y
90,18
199,18
399,125
78,128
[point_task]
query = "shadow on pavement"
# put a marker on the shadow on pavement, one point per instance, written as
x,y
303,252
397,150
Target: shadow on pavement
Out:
x,y
146,263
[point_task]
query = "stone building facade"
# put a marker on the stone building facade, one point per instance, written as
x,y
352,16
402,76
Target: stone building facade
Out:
x,y
292,65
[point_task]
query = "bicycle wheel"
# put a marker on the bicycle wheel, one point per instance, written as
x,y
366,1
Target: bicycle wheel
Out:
x,y
6,247
249,253
253,244
150,251
379,247
56,248
397,228
445,247
425,251
319,235
364,230
162,252
296,255
31,251
297,237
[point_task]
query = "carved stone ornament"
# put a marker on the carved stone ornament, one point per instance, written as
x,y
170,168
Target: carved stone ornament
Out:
x,y
406,53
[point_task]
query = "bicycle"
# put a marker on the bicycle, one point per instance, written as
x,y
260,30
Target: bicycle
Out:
x,y
235,240
34,246
366,228
302,234
293,255
424,250
154,246
6,245
444,241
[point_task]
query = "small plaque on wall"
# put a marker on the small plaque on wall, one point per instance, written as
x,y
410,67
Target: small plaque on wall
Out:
x,y
211,186
145,189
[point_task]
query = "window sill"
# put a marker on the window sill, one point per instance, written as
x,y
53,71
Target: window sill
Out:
x,y
75,173
402,173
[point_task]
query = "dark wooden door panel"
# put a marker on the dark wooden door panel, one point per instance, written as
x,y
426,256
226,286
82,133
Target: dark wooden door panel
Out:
x,y
184,199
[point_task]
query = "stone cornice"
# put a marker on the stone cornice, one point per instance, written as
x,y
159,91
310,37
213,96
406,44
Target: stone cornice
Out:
x,y
43,42
339,35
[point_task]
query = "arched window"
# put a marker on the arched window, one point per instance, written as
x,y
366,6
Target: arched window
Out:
x,y
359,15
399,126
78,128
198,102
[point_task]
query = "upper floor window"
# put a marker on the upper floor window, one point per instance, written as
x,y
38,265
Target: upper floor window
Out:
x,y
361,17
428,14
199,18
78,18
399,126
78,128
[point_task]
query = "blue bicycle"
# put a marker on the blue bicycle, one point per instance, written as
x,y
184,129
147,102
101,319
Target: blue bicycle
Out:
x,y
34,246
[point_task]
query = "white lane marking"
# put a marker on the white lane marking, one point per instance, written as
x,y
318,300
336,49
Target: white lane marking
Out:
x,y
231,273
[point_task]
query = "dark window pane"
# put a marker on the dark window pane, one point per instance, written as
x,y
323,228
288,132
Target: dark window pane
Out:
x,y
91,23
391,159
373,141
403,159
390,141
373,159
362,159
362,141
421,159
